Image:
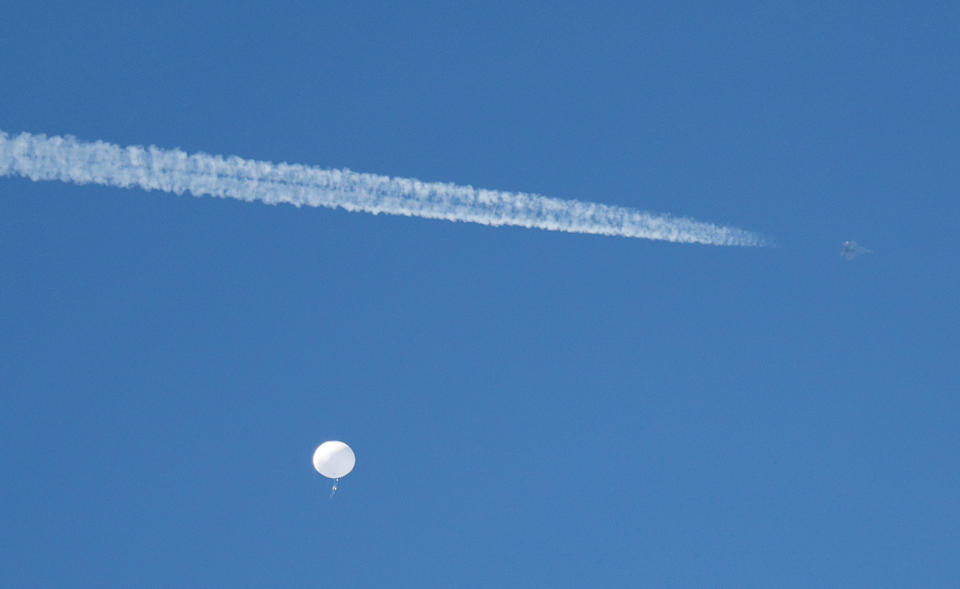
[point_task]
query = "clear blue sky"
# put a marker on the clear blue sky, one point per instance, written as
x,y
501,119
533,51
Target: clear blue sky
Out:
x,y
528,409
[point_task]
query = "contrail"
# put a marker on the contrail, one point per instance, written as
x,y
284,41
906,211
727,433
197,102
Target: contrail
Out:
x,y
67,159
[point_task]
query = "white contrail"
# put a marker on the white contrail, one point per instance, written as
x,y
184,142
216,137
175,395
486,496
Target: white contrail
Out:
x,y
39,157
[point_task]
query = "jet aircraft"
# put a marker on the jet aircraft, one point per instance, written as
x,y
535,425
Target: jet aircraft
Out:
x,y
851,249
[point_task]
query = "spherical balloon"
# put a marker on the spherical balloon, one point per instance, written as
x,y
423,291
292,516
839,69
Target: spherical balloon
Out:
x,y
334,459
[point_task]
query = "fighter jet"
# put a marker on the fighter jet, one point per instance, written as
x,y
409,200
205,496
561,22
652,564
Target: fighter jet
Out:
x,y
851,249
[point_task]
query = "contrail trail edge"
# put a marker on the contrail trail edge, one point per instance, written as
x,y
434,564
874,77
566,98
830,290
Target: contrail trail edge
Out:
x,y
67,159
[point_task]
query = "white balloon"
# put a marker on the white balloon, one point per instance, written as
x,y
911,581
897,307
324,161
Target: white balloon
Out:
x,y
334,459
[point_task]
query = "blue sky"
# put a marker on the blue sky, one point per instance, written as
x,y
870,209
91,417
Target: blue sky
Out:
x,y
528,408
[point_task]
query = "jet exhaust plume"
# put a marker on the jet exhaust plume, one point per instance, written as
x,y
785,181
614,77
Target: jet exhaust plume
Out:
x,y
68,159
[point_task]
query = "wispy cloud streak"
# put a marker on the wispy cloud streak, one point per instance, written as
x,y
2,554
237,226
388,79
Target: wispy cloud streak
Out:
x,y
67,159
